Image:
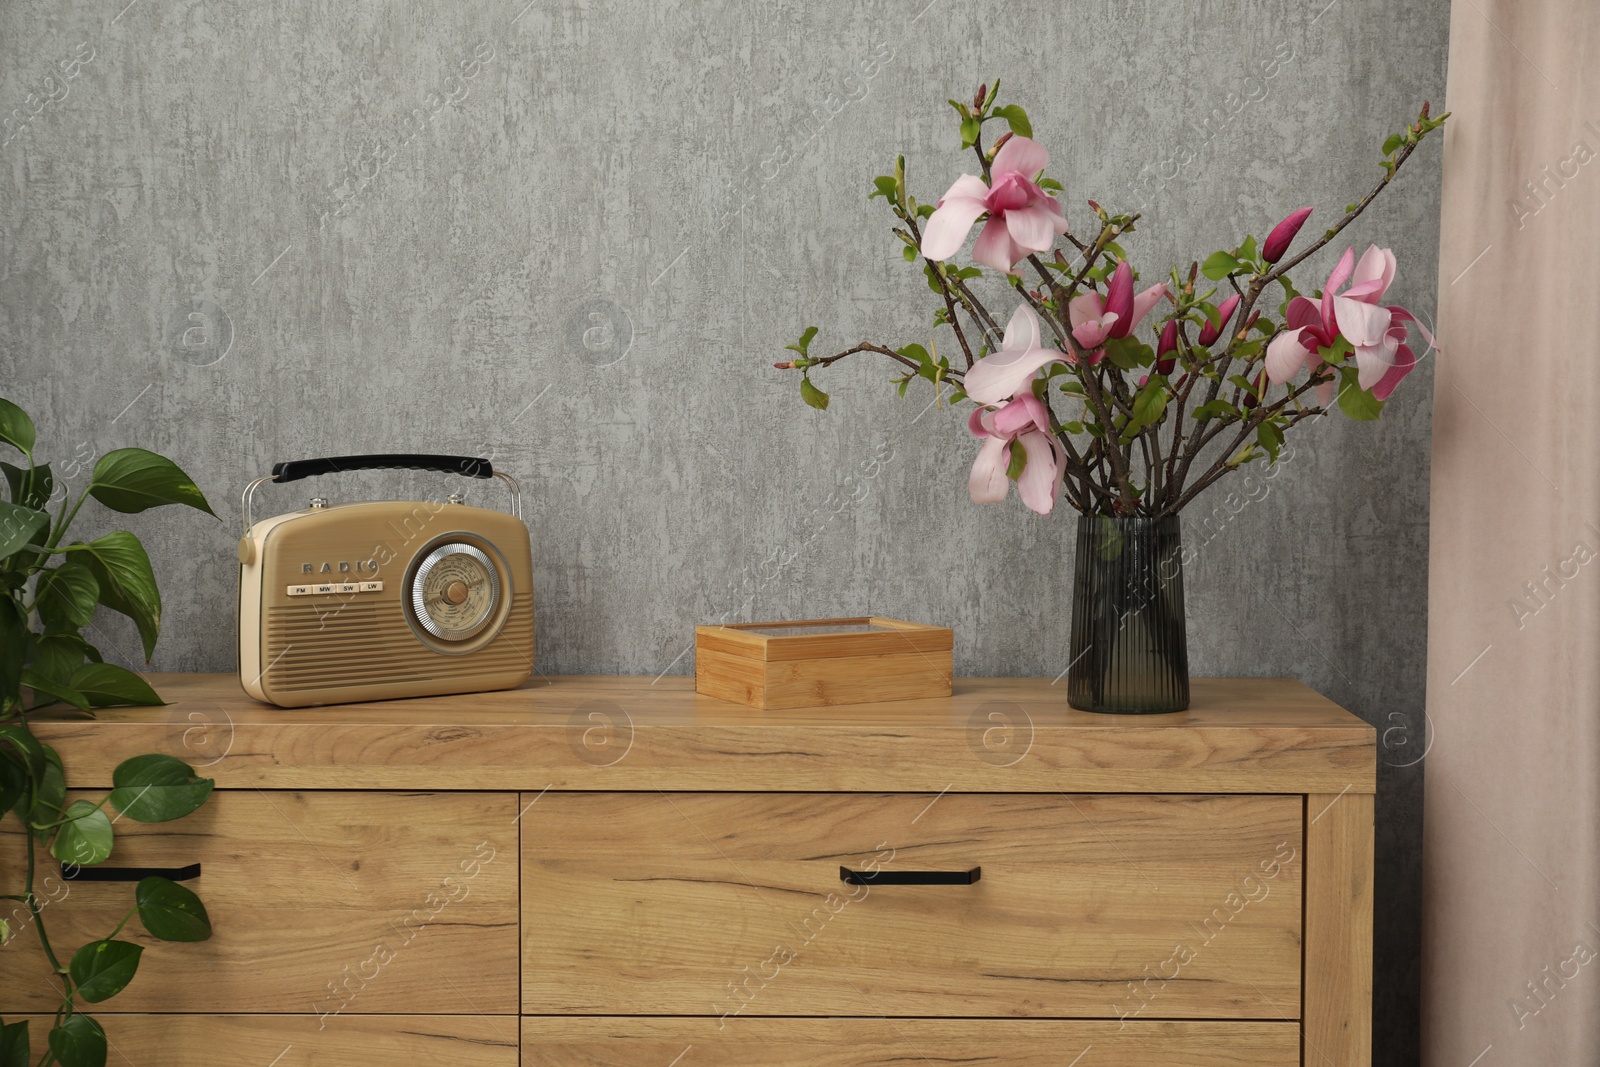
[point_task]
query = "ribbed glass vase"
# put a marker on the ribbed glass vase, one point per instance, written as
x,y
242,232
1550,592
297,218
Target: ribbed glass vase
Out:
x,y
1129,655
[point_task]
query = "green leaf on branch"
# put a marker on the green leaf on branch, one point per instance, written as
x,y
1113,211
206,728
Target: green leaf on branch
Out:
x,y
157,788
1270,437
1356,402
170,912
918,353
19,745
1243,456
1016,118
883,186
50,802
56,658
1289,293
85,839
1393,143
1050,185
1019,461
1148,407
1129,353
970,127
1336,352
18,525
131,480
16,429
79,1042
30,488
43,685
14,1049
1247,251
1219,265
102,969
105,685
127,584
812,395
67,595
1247,350
13,786
805,341
1215,409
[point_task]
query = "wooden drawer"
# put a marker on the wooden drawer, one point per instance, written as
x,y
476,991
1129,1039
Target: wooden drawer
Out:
x,y
1087,906
321,902
629,1042
303,1040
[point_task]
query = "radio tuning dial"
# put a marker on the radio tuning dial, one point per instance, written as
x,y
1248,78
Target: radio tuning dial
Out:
x,y
455,592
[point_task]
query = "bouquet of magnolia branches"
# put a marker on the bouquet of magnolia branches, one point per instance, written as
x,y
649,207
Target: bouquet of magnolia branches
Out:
x,y
1069,398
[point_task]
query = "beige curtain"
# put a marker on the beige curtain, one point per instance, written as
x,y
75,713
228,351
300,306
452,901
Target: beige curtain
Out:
x,y
1511,934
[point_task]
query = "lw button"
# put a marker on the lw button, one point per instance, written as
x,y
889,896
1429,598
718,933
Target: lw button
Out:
x,y
372,587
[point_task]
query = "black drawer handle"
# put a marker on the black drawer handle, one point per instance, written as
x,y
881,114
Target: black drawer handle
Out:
x,y
73,872
910,877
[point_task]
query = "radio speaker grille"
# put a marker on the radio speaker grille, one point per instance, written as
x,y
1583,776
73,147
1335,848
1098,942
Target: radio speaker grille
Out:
x,y
363,644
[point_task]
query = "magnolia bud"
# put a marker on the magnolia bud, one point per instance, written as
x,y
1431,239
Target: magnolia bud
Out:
x,y
1210,333
1282,235
1119,299
983,91
1168,343
1002,139
1251,321
1252,397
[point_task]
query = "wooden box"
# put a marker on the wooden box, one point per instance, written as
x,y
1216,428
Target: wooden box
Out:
x,y
817,662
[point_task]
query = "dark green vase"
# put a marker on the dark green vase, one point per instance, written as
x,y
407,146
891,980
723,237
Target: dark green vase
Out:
x,y
1129,655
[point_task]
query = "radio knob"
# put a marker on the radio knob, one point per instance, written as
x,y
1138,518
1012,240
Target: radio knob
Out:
x,y
456,592
247,550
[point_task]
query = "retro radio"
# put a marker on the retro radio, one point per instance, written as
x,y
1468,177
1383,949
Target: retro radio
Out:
x,y
383,599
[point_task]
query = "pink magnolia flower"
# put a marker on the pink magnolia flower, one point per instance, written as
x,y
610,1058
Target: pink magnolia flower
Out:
x,y
1001,375
1022,421
1376,332
1095,319
1023,218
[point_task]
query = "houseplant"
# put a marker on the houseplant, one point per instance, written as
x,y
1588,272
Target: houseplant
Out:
x,y
1070,401
49,591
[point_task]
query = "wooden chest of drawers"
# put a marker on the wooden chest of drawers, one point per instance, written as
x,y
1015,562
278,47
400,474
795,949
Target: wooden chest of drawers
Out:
x,y
598,872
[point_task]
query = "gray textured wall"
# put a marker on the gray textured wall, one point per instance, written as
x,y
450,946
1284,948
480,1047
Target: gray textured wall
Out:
x,y
586,231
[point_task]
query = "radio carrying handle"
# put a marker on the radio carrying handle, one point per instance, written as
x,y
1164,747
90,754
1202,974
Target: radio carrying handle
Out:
x,y
294,470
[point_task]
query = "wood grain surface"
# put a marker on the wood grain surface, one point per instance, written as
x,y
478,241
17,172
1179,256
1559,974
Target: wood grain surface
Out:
x,y
1339,900
169,1040
1103,906
638,1042
1252,735
319,902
